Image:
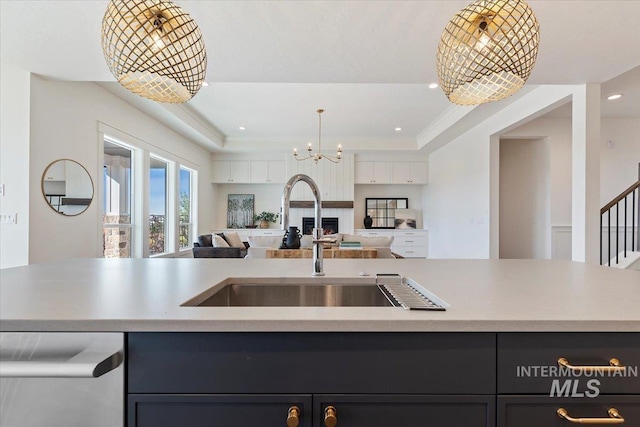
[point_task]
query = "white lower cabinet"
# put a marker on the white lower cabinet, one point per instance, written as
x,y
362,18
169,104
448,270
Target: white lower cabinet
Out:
x,y
407,243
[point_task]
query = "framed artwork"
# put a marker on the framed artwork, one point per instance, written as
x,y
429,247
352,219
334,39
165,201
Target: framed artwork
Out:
x,y
240,210
406,218
382,210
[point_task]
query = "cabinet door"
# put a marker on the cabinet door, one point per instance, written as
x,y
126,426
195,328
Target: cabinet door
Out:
x,y
519,354
274,362
56,172
259,171
171,410
363,172
419,172
537,411
381,172
401,172
221,171
409,172
406,410
239,172
277,172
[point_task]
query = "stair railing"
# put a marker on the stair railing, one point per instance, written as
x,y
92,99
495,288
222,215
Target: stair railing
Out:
x,y
633,192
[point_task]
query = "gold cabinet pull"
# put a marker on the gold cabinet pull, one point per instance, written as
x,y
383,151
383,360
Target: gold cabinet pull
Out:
x,y
330,418
614,366
614,417
293,416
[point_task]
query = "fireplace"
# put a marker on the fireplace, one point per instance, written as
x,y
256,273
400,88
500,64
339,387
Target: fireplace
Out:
x,y
329,225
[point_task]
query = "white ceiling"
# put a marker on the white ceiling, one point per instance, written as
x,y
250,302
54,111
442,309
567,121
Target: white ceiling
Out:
x,y
271,64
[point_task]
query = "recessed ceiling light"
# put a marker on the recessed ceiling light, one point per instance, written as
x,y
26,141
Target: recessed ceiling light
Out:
x,y
242,128
398,129
433,85
614,96
205,84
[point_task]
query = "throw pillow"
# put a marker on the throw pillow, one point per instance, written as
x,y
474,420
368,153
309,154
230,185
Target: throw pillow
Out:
x,y
306,241
265,241
219,242
205,240
336,236
223,238
234,240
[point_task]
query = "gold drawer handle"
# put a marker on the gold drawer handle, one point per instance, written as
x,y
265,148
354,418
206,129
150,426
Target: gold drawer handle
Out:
x,y
614,366
615,418
293,416
330,417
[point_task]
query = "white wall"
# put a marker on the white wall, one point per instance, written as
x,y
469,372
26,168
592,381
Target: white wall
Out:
x,y
458,201
557,131
64,124
462,219
14,164
524,199
267,197
618,162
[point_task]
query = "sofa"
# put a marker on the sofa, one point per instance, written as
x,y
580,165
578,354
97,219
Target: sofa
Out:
x,y
220,245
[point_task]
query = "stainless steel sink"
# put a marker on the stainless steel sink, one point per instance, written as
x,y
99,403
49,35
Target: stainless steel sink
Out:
x,y
326,295
380,291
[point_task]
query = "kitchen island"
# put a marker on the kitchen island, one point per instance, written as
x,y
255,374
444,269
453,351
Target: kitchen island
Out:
x,y
357,366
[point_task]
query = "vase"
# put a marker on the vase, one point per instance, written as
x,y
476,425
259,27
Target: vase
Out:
x,y
264,224
368,221
291,239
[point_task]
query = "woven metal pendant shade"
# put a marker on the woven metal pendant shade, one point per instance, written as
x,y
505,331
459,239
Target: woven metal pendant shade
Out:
x,y
487,51
154,49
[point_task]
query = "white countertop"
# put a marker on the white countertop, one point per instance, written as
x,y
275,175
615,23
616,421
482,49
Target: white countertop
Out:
x,y
146,294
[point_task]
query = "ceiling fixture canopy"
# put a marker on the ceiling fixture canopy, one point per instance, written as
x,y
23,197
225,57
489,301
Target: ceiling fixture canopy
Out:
x,y
154,49
487,51
319,156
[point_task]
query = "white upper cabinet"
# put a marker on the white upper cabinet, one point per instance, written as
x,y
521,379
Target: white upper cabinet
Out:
x,y
409,172
268,171
227,172
372,172
56,171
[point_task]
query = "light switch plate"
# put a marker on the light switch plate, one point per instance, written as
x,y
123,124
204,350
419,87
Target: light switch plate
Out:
x,y
9,218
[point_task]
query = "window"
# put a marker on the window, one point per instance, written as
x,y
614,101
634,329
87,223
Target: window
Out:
x,y
158,198
118,200
185,207
149,199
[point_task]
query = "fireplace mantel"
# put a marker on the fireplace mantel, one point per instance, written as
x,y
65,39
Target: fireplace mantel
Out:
x,y
327,204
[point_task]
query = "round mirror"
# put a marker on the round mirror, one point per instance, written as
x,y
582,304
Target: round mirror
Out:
x,y
67,187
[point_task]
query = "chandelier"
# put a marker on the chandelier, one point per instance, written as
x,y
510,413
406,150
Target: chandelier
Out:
x,y
487,51
319,156
154,49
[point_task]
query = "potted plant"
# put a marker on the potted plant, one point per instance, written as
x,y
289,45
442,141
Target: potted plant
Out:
x,y
265,218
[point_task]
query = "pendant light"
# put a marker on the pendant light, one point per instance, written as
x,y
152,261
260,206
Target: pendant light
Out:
x,y
154,49
487,51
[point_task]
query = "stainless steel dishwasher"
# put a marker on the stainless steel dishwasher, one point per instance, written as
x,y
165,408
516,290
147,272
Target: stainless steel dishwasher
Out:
x,y
54,379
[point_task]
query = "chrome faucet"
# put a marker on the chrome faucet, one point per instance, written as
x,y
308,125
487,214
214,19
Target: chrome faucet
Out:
x,y
317,230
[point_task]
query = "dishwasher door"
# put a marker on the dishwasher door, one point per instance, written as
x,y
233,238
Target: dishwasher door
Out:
x,y
61,379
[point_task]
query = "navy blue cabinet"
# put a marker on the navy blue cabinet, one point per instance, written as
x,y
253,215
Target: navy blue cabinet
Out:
x,y
184,410
560,379
378,379
367,379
